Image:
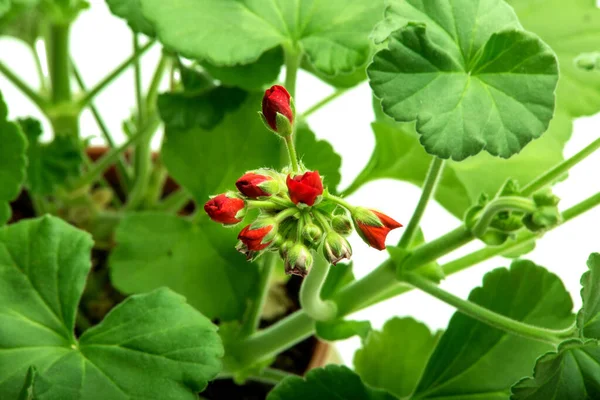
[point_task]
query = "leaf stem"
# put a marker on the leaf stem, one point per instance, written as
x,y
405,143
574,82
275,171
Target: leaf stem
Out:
x,y
484,315
59,62
293,56
559,170
291,148
310,292
429,186
113,75
508,203
41,102
175,201
252,322
339,201
337,93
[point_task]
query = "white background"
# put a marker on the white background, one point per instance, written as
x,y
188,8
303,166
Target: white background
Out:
x,y
100,42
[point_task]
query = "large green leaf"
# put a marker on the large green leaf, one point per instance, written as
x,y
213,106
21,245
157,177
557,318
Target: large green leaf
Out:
x,y
570,29
12,161
22,20
199,262
332,33
51,165
572,372
498,81
398,155
331,382
395,358
476,361
588,318
149,344
131,11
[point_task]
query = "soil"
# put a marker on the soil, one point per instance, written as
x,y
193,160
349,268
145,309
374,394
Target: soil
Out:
x,y
100,297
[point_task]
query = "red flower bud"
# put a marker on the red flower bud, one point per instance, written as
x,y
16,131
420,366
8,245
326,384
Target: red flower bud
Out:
x,y
374,227
305,188
224,209
277,100
253,238
249,185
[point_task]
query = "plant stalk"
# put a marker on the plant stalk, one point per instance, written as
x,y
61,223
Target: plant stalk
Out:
x,y
252,322
324,101
40,101
310,292
59,63
509,203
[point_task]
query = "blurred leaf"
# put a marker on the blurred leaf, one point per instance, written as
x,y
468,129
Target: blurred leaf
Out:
x,y
27,389
588,319
330,382
149,344
339,276
473,357
394,359
12,161
51,165
131,11
340,81
22,20
572,372
334,34
199,262
342,329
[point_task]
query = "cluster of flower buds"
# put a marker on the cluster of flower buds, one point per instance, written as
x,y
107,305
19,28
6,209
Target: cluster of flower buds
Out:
x,y
296,214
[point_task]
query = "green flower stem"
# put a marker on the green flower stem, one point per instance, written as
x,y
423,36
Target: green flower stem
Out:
x,y
96,171
38,68
264,204
324,102
429,186
368,291
339,201
159,72
122,170
285,214
557,172
487,316
293,56
41,102
59,62
113,75
175,201
252,320
310,292
283,202
509,203
291,148
137,73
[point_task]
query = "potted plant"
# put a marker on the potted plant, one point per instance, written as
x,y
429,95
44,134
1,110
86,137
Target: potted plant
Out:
x,y
117,280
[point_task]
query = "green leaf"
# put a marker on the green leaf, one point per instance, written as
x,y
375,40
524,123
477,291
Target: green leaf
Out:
x,y
23,21
319,155
330,382
197,261
569,31
53,164
12,161
588,319
395,358
342,329
208,162
476,361
27,389
253,76
498,81
340,81
398,155
149,344
131,11
333,34
572,372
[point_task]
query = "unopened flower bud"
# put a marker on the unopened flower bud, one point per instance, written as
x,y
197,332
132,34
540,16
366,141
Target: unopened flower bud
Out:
x,y
285,248
255,184
298,261
266,222
305,188
336,248
312,233
373,226
278,110
254,238
341,224
225,209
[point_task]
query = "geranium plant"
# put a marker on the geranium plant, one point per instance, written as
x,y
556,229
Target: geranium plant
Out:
x,y
117,280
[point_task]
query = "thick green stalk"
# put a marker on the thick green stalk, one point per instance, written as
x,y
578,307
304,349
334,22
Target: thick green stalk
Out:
x,y
34,96
509,203
429,186
254,313
324,102
293,57
437,248
59,63
291,148
310,293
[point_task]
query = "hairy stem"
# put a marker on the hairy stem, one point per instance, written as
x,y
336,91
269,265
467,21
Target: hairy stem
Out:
x,y
324,102
431,181
291,148
509,203
293,56
254,313
59,63
41,102
487,316
310,292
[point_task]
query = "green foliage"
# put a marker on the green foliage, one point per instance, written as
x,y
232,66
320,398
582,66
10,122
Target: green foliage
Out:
x,y
588,319
569,373
333,34
12,161
395,358
21,20
461,361
330,382
199,262
342,329
131,11
149,344
52,165
498,81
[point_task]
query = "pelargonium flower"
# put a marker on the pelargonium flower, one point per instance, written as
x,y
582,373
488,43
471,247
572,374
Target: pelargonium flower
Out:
x,y
305,188
374,226
225,209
